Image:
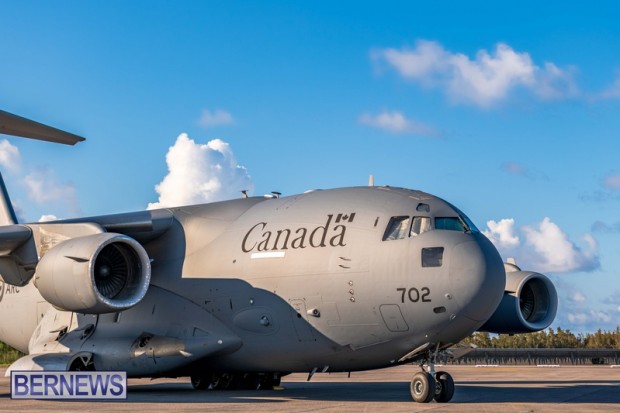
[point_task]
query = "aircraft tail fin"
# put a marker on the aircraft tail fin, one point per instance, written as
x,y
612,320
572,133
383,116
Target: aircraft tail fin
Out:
x,y
7,213
11,124
18,255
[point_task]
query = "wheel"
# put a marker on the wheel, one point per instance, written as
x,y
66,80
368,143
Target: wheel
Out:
x,y
444,387
269,381
224,381
422,387
251,381
200,382
235,382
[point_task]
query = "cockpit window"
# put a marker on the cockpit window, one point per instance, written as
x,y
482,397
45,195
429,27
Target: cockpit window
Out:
x,y
397,228
419,226
468,222
451,224
423,208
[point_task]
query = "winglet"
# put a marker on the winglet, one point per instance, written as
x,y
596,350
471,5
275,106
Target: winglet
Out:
x,y
17,126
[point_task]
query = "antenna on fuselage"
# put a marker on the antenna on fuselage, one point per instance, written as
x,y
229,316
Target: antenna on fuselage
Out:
x,y
244,193
273,195
371,180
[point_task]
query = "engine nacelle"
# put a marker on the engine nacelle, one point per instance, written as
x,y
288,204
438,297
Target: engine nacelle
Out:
x,y
94,274
530,304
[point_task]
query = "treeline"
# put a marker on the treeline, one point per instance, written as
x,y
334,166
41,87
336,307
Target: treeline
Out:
x,y
8,354
548,339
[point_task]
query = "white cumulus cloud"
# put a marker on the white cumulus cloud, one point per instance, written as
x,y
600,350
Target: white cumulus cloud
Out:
x,y
543,247
577,297
10,157
214,118
591,317
396,122
556,252
43,188
199,173
486,79
48,218
502,234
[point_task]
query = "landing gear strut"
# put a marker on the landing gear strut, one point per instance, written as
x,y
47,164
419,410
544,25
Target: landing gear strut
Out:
x,y
428,385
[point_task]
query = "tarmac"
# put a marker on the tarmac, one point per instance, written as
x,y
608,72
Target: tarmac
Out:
x,y
478,389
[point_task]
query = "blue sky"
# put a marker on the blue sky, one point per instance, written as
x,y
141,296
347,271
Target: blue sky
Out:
x,y
510,113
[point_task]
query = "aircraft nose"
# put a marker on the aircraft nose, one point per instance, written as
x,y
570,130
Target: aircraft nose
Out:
x,y
477,277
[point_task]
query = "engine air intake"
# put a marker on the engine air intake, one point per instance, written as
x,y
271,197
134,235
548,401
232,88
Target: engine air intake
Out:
x,y
117,266
95,274
529,304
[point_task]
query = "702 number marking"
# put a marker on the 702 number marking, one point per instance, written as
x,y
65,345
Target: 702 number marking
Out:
x,y
414,295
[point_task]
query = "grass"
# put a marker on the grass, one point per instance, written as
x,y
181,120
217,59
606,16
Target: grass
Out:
x,y
8,354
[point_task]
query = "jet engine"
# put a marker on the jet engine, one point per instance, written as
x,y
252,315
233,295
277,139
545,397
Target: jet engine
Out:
x,y
529,304
94,274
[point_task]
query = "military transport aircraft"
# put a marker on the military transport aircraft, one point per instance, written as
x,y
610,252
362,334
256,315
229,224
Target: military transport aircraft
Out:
x,y
240,293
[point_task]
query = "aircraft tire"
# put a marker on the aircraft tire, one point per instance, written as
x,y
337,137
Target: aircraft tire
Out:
x,y
422,387
200,382
221,381
269,381
236,382
444,387
251,381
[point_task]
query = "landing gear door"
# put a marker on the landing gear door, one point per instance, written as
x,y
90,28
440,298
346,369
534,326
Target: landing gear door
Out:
x,y
300,322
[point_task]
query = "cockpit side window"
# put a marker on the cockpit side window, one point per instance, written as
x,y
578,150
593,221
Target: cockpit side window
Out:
x,y
397,228
450,224
470,226
432,257
419,226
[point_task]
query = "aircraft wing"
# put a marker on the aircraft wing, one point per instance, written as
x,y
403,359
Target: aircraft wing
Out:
x,y
18,257
143,226
17,126
13,237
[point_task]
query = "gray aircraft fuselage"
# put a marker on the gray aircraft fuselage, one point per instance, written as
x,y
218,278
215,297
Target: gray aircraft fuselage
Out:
x,y
320,281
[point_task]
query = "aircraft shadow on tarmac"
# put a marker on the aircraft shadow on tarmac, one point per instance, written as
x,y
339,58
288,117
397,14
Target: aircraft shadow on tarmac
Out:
x,y
548,391
320,391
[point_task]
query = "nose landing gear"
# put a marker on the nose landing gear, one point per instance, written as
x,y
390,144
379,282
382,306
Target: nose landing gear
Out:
x,y
428,385
444,387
